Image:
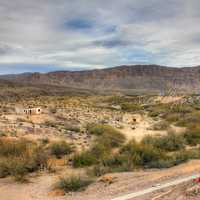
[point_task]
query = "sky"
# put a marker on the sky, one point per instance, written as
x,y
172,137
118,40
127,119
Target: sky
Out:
x,y
51,35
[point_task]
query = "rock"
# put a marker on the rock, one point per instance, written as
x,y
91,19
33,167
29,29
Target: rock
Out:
x,y
56,193
107,179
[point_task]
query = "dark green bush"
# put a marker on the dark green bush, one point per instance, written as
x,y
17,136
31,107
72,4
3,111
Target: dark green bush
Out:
x,y
131,107
189,119
73,183
141,154
169,142
60,148
84,159
192,136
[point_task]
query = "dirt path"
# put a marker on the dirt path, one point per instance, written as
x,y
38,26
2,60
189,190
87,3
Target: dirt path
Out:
x,y
40,187
157,187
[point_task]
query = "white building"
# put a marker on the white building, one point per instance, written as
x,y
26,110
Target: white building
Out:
x,y
28,111
32,111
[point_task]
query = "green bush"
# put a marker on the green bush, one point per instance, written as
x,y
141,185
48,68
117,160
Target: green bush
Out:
x,y
189,119
107,139
4,168
111,140
97,129
100,151
172,160
84,159
20,158
192,136
169,142
158,109
60,148
73,183
131,107
181,108
141,154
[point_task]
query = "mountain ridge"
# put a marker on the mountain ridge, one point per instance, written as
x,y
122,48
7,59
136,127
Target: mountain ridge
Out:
x,y
131,77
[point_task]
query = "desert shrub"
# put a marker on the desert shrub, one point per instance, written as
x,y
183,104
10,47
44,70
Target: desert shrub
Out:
x,y
131,107
115,99
153,113
39,159
192,136
162,163
84,159
108,138
97,129
44,140
162,125
141,154
170,160
173,117
107,135
74,128
20,158
156,110
100,151
60,148
169,142
2,134
101,169
73,183
132,155
193,153
18,168
53,110
98,170
4,168
181,108
51,124
189,119
111,140
13,148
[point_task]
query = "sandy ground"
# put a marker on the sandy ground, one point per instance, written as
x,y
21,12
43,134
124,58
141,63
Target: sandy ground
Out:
x,y
39,187
168,99
142,127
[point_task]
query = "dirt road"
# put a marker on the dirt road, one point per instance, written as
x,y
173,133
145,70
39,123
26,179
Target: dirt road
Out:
x,y
156,187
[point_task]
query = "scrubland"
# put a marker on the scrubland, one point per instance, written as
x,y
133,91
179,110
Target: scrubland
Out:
x,y
80,139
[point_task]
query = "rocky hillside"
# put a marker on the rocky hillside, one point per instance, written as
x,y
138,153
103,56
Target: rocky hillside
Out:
x,y
135,77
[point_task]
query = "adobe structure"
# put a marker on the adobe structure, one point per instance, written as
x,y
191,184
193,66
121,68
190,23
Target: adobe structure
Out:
x,y
32,111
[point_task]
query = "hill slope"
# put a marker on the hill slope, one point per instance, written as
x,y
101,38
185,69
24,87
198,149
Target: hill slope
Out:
x,y
135,77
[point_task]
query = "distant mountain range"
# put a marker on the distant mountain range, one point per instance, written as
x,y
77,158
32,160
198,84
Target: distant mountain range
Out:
x,y
150,78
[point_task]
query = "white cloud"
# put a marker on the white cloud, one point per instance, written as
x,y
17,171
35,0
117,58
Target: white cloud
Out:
x,y
146,31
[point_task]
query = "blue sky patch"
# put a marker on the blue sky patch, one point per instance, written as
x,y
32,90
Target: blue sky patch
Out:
x,y
79,24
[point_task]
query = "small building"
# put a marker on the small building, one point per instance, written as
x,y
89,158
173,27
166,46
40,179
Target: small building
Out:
x,y
32,111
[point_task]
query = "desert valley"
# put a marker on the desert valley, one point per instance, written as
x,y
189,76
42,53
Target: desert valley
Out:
x,y
99,100
61,142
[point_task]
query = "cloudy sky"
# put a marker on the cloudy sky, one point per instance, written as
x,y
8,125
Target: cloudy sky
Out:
x,y
46,35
